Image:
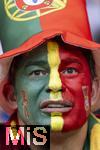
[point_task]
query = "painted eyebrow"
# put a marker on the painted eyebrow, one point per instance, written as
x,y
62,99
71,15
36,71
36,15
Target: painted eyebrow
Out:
x,y
31,63
71,60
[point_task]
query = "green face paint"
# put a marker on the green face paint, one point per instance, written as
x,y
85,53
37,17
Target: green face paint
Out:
x,y
31,83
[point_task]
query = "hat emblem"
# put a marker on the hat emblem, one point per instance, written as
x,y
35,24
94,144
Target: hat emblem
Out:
x,y
30,5
24,10
33,2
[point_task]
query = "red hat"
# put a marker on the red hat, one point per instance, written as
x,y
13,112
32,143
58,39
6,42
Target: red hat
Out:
x,y
27,23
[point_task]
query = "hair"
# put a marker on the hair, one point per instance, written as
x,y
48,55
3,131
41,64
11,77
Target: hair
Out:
x,y
88,55
86,52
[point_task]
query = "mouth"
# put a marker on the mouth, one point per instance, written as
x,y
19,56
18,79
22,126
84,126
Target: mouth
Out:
x,y
51,106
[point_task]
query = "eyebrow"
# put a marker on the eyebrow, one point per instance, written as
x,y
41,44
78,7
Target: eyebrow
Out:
x,y
71,60
31,63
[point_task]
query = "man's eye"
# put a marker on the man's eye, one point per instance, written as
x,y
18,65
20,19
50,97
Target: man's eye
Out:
x,y
70,71
38,73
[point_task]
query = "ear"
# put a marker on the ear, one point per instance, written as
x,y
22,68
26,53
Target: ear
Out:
x,y
95,97
8,92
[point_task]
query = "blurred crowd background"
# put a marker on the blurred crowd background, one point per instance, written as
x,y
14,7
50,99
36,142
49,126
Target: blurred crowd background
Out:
x,y
93,9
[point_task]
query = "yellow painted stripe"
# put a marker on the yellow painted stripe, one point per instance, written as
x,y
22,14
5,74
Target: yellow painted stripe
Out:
x,y
57,122
55,84
54,62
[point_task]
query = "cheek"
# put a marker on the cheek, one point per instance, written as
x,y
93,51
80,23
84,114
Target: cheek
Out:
x,y
73,86
34,90
73,91
25,92
32,87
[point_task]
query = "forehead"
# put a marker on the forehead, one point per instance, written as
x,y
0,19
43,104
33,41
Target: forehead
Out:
x,y
65,51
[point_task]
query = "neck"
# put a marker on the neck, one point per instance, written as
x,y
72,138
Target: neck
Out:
x,y
72,140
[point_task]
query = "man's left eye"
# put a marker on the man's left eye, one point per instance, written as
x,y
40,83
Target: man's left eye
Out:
x,y
70,71
38,73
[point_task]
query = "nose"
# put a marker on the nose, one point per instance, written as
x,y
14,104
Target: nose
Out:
x,y
54,62
55,84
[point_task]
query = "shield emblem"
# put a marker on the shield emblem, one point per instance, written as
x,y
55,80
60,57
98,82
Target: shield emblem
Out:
x,y
29,5
24,10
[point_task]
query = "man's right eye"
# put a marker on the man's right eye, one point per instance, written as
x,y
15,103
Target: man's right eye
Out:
x,y
38,73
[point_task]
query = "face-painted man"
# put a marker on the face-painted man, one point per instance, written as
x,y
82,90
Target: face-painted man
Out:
x,y
57,91
52,85
52,82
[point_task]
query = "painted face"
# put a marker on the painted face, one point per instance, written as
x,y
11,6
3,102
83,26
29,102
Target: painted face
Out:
x,y
53,87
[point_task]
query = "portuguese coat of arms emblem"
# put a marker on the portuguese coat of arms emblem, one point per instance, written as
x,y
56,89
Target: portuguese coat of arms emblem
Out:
x,y
23,10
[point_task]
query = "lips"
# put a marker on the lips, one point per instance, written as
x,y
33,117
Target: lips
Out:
x,y
50,106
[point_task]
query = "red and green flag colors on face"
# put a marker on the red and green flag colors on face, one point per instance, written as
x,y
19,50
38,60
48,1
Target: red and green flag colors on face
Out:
x,y
26,23
52,78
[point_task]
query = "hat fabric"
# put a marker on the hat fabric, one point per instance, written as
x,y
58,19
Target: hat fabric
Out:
x,y
26,23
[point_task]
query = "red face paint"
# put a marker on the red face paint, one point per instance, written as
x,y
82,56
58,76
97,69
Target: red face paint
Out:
x,y
75,73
